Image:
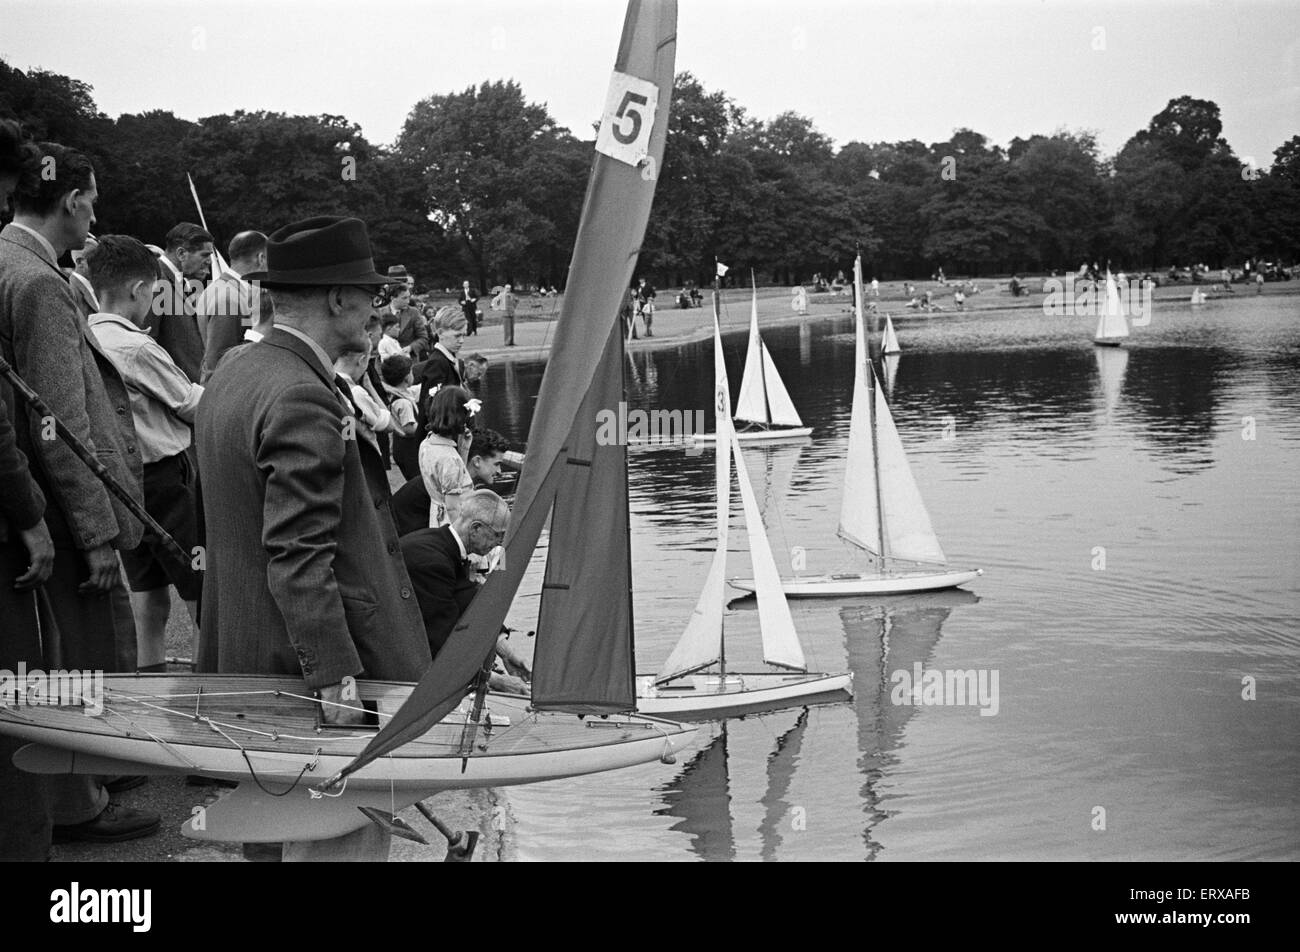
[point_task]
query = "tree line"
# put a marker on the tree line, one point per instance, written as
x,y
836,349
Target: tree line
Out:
x,y
482,184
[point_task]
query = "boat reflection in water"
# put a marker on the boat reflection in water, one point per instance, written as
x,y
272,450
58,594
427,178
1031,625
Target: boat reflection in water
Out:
x,y
712,795
700,796
882,636
1111,364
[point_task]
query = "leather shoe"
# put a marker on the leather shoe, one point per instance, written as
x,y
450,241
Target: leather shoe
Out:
x,y
114,825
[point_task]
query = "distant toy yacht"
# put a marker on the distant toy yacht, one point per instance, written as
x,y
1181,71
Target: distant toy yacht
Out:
x,y
882,511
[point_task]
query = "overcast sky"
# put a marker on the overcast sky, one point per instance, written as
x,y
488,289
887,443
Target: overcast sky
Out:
x,y
861,70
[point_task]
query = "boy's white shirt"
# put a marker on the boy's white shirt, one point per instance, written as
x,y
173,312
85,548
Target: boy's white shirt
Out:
x,y
373,413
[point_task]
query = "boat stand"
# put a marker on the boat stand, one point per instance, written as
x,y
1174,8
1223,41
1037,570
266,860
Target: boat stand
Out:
x,y
460,845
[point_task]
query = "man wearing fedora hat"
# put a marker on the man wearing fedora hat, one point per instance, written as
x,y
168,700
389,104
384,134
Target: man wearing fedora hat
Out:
x,y
304,573
412,328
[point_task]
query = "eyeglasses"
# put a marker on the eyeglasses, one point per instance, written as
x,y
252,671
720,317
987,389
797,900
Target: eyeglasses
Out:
x,y
380,298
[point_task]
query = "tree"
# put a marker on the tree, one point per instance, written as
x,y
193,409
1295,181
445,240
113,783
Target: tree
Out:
x,y
691,194
1060,180
486,157
1186,131
144,193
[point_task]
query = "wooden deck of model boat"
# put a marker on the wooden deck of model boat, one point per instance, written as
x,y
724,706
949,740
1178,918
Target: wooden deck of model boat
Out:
x,y
232,727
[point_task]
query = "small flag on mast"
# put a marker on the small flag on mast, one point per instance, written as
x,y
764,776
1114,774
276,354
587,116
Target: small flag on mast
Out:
x,y
722,269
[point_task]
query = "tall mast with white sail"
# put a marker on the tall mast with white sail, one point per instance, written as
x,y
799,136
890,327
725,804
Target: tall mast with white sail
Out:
x,y
882,512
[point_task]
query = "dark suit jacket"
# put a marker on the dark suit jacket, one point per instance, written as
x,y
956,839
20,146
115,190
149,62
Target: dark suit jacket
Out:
x,y
304,573
442,581
411,506
434,372
50,345
174,325
413,329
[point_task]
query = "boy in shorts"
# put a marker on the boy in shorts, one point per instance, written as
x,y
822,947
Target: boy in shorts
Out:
x,y
163,403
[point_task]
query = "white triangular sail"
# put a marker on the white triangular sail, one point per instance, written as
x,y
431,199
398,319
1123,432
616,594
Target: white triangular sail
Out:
x,y
780,641
890,516
1112,325
701,642
751,403
779,404
763,397
889,369
907,529
859,515
889,343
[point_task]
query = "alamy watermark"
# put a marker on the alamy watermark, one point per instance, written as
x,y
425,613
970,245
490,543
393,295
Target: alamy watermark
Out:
x,y
622,427
58,688
1067,297
946,688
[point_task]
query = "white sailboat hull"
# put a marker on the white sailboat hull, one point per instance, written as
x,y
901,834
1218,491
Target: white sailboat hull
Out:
x,y
761,435
894,583
269,739
703,697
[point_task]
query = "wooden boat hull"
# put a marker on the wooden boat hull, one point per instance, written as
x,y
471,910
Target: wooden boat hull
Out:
x,y
828,586
264,732
1109,343
706,697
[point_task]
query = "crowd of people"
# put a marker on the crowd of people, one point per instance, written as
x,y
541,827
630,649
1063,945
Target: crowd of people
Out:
x,y
254,408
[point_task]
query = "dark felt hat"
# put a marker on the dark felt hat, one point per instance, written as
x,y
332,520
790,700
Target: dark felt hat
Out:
x,y
322,251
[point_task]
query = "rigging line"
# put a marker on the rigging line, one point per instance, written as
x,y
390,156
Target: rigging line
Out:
x,y
317,794
274,735
252,772
321,701
156,739
130,695
668,741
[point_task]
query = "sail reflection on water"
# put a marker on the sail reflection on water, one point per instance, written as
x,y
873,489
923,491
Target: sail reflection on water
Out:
x,y
883,636
1111,364
781,766
700,797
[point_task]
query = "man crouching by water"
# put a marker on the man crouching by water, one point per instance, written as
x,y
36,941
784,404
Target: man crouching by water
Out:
x,y
304,574
445,581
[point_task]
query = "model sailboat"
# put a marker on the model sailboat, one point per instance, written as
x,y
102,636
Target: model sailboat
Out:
x,y
882,513
889,342
764,410
1112,324
299,779
679,690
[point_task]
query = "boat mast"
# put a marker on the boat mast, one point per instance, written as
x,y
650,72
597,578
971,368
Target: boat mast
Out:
x,y
762,364
875,444
717,323
624,359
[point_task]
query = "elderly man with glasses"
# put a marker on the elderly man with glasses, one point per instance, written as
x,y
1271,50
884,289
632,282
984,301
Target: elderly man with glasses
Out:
x,y
445,583
304,574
